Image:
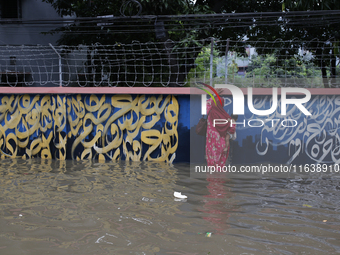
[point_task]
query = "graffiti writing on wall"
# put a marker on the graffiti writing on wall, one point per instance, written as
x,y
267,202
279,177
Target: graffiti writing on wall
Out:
x,y
89,127
313,138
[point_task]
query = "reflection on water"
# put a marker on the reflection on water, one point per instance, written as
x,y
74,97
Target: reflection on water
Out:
x,y
84,207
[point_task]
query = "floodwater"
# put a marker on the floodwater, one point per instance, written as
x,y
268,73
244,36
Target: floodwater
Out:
x,y
84,207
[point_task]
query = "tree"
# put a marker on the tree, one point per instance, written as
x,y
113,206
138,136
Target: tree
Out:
x,y
201,71
87,32
315,31
158,23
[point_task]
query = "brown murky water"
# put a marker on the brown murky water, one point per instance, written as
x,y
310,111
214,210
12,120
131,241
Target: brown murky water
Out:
x,y
70,207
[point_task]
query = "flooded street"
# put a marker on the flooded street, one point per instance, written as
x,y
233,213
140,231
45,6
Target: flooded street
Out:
x,y
84,207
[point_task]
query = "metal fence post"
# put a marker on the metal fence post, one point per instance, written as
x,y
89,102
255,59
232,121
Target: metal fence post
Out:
x,y
60,70
211,61
226,62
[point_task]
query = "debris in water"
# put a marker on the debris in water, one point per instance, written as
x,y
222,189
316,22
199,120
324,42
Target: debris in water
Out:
x,y
305,205
179,195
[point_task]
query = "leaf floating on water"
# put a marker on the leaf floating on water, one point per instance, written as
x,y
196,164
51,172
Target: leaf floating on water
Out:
x,y
305,205
324,221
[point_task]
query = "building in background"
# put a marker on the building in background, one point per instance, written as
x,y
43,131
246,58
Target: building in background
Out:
x,y
14,22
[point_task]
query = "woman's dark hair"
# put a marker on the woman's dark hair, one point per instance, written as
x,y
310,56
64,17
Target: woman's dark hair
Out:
x,y
234,116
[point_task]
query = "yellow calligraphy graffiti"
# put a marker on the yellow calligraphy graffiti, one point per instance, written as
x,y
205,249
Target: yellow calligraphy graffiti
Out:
x,y
94,127
28,126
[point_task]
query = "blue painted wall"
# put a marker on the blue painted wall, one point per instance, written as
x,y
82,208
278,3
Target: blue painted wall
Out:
x,y
107,127
67,127
315,139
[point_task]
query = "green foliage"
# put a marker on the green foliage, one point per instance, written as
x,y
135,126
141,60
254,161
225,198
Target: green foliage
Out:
x,y
312,5
263,71
202,63
192,35
267,66
89,33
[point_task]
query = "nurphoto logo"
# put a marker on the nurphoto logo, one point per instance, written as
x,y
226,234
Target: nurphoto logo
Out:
x,y
238,100
238,105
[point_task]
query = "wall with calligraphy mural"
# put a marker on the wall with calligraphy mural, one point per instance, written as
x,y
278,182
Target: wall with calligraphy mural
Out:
x,y
103,127
314,139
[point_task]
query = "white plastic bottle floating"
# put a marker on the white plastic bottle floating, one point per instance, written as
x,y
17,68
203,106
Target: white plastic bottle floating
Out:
x,y
179,195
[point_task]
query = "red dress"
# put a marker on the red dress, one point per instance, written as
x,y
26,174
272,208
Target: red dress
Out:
x,y
215,141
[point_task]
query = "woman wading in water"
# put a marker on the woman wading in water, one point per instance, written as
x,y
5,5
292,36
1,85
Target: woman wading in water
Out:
x,y
217,141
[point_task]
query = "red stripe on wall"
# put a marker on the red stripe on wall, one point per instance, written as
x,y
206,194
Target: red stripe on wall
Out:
x,y
144,90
